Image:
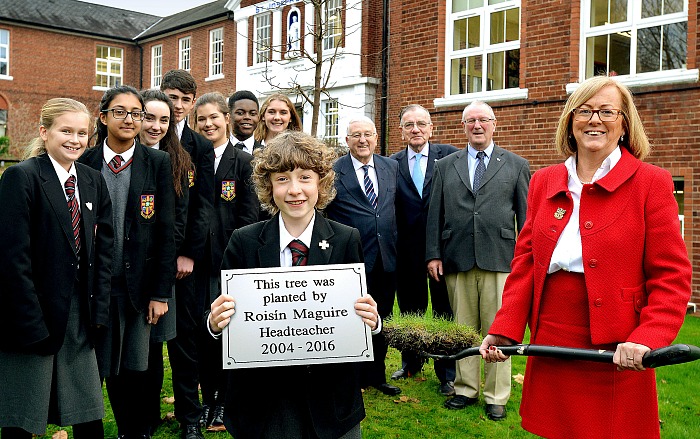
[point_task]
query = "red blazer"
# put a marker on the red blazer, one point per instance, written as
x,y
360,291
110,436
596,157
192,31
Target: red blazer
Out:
x,y
637,270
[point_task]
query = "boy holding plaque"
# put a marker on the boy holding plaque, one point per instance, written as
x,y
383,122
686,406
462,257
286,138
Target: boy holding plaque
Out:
x,y
293,176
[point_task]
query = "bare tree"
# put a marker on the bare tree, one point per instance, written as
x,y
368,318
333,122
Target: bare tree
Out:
x,y
328,33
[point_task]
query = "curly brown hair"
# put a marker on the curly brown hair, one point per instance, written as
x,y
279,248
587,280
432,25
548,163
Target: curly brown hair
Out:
x,y
286,152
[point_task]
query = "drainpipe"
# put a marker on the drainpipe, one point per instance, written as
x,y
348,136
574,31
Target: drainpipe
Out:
x,y
140,65
384,109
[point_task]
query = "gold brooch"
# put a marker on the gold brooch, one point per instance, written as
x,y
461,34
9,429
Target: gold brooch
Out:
x,y
559,214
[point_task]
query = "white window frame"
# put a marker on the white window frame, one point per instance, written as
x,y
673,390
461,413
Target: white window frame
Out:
x,y
185,53
331,118
6,58
484,49
110,61
632,25
331,37
262,38
216,54
156,65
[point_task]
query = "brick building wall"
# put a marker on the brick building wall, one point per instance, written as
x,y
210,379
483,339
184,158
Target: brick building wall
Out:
x,y
39,74
199,53
549,56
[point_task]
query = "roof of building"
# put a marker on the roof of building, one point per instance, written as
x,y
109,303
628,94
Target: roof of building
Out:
x,y
79,17
190,17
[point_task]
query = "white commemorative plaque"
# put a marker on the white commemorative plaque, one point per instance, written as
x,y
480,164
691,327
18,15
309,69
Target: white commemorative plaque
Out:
x,y
295,316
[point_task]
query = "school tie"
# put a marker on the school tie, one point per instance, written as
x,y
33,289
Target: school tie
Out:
x,y
74,210
299,252
369,188
117,164
480,169
418,177
241,146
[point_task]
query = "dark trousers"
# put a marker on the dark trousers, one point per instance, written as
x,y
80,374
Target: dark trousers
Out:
x,y
124,390
412,295
152,385
382,287
182,351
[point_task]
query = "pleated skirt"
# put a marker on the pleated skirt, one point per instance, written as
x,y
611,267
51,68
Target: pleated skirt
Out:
x,y
62,389
582,399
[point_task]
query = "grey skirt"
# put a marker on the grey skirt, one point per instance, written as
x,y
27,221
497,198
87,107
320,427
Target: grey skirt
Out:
x,y
126,341
61,389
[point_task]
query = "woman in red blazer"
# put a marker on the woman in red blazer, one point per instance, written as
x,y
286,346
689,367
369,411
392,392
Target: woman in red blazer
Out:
x,y
599,264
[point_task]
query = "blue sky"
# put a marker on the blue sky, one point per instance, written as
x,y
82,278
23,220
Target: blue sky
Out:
x,y
155,7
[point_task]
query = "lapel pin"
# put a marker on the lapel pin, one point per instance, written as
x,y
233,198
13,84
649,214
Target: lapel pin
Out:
x,y
559,214
324,244
498,159
88,205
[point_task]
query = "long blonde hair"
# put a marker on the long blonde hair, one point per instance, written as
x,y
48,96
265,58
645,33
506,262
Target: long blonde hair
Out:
x,y
261,130
52,109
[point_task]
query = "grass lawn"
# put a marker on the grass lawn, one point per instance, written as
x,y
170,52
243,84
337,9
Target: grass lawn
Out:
x,y
418,411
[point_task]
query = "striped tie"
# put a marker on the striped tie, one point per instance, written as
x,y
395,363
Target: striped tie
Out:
x,y
369,188
299,252
117,164
74,210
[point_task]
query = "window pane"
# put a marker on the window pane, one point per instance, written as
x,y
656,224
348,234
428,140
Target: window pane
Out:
x,y
3,53
661,48
615,48
3,68
504,70
505,26
466,75
101,66
463,5
608,12
4,37
466,33
655,8
116,69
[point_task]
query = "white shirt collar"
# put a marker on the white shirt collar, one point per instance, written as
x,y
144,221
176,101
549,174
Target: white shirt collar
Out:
x,y
425,150
488,151
62,173
610,161
109,154
249,142
219,150
305,237
180,127
358,164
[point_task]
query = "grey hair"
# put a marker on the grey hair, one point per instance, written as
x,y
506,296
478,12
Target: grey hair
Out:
x,y
478,104
356,119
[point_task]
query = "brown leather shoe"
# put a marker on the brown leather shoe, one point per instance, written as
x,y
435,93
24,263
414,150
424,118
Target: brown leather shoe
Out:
x,y
459,402
496,412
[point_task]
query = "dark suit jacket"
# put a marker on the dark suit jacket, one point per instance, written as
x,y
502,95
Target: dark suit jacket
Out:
x,y
331,392
464,229
231,214
202,192
411,209
38,261
149,244
351,207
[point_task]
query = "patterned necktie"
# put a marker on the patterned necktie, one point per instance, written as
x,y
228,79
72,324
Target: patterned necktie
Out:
x,y
299,252
74,210
117,164
480,169
241,146
418,177
369,188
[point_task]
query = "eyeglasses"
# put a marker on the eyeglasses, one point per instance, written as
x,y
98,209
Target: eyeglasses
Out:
x,y
120,114
481,120
357,136
586,114
420,124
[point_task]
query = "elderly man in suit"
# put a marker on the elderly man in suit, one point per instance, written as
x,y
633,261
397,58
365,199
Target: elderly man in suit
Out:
x,y
416,167
366,189
478,197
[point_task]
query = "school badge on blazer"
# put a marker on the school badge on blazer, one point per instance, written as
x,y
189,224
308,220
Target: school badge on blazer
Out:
x,y
228,190
190,177
148,206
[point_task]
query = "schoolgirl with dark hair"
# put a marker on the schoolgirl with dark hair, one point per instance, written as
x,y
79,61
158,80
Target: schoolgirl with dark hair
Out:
x,y
140,183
